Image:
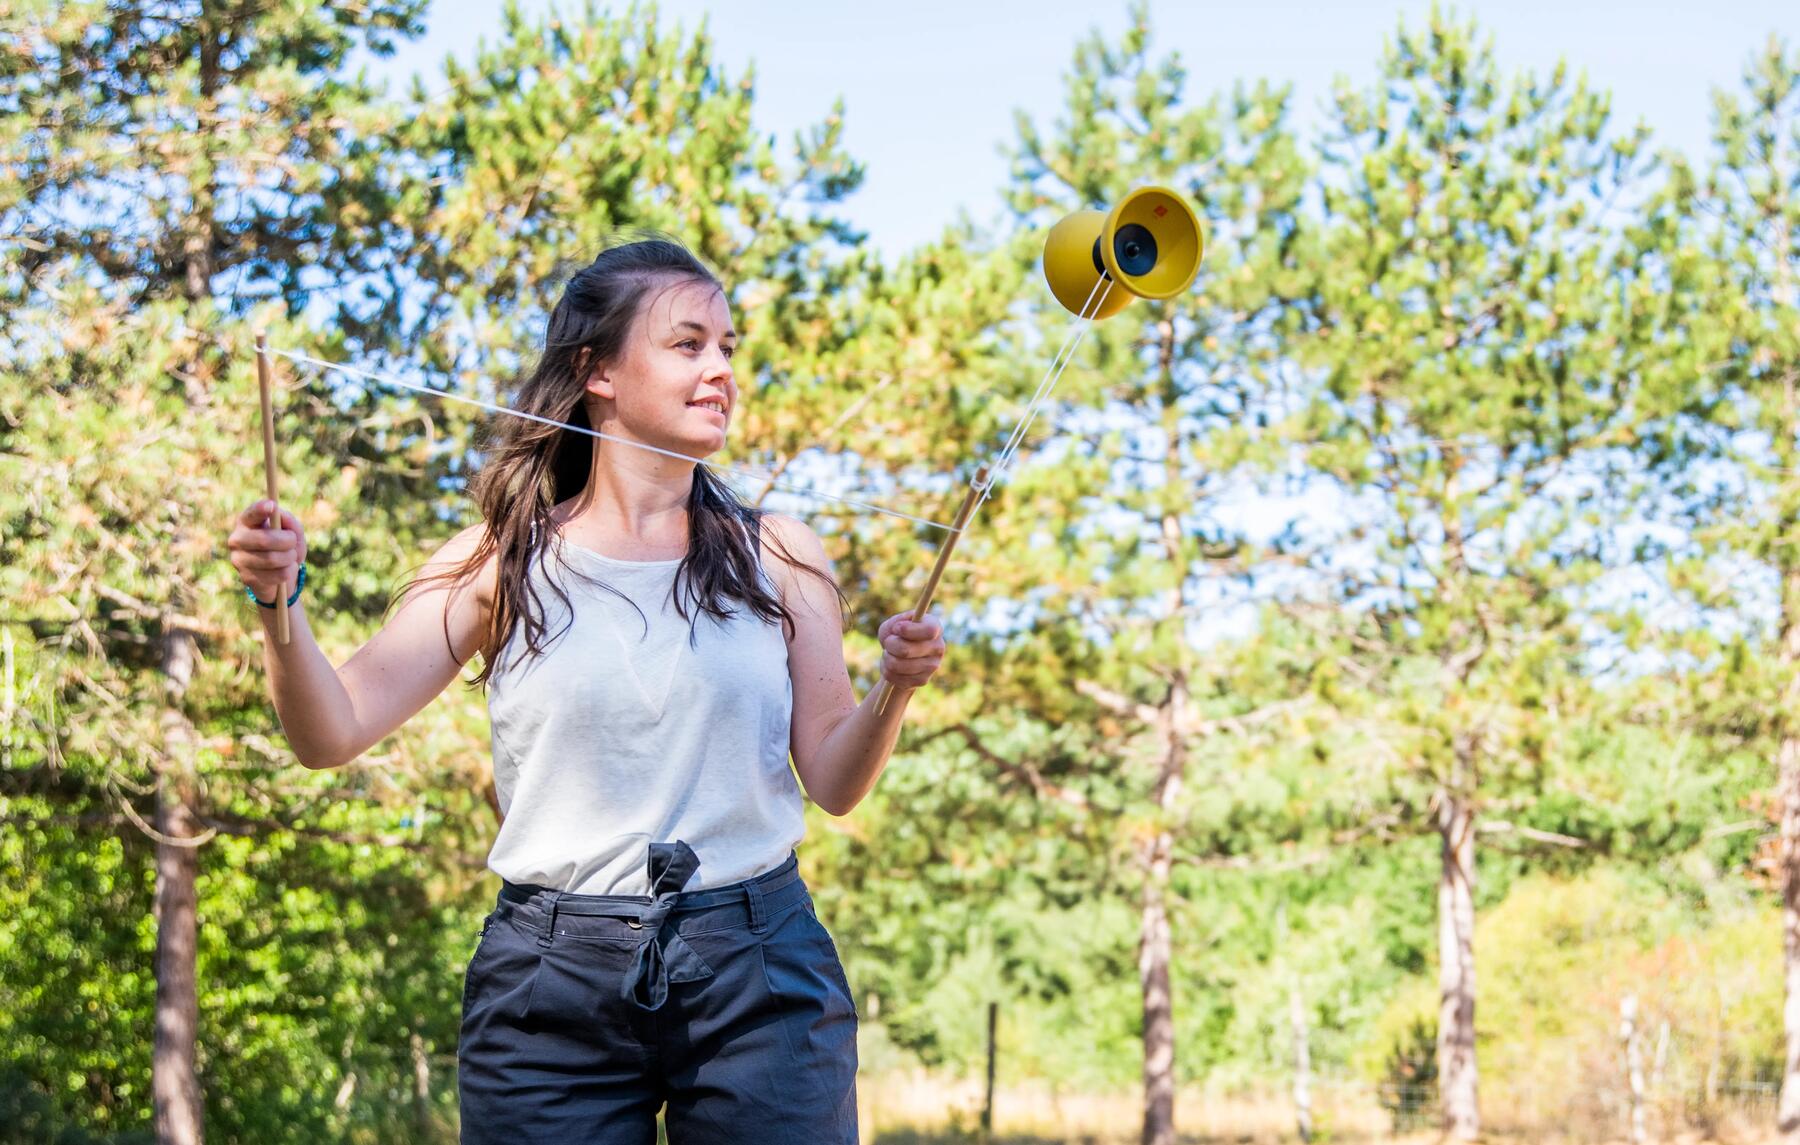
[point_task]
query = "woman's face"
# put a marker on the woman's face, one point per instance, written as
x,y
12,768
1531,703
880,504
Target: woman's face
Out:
x,y
672,386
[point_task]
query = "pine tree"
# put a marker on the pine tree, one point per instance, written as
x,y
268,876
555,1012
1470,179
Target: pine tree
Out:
x,y
1474,314
1108,543
169,167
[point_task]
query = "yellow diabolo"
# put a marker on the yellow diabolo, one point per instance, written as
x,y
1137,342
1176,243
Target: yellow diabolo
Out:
x,y
1150,244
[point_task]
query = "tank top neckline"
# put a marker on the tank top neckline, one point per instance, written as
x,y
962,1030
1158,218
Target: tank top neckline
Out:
x,y
587,552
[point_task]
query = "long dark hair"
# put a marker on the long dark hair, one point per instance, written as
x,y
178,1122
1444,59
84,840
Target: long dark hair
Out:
x,y
532,466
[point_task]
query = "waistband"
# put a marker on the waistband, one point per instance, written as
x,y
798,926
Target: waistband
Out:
x,y
750,903
657,924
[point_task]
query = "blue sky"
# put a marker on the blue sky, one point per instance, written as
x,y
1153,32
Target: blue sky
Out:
x,y
931,86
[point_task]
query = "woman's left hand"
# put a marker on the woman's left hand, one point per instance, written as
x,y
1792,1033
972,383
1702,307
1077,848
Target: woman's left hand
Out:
x,y
910,650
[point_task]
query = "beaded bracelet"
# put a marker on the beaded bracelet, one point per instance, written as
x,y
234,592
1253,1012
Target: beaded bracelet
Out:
x,y
299,583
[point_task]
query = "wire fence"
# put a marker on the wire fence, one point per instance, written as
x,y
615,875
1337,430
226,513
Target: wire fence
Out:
x,y
916,1108
1598,1112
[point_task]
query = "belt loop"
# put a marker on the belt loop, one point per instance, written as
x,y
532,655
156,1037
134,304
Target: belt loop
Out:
x,y
753,892
549,934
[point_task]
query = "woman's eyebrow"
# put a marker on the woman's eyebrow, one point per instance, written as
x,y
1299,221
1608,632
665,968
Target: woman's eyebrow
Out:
x,y
702,329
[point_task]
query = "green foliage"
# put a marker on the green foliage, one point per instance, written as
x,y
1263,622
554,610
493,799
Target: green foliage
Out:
x,y
1409,1077
1559,956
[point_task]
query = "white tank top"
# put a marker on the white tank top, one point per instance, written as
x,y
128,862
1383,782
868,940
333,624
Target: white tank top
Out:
x,y
622,733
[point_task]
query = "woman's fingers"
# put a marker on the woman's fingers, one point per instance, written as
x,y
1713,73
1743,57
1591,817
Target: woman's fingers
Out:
x,y
269,540
266,557
903,627
912,650
257,516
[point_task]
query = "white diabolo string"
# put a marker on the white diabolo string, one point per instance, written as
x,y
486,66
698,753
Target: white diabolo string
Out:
x,y
1046,386
1090,307
340,367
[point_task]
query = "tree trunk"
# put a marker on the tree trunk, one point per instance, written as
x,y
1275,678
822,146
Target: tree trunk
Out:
x,y
1456,969
1155,944
174,1071
1159,1011
421,1086
1788,1114
1787,1117
174,1077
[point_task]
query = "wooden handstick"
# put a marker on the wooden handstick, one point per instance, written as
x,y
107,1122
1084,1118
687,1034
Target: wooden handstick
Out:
x,y
970,499
268,427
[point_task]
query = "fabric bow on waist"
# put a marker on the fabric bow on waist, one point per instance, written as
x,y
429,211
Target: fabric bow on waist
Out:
x,y
657,963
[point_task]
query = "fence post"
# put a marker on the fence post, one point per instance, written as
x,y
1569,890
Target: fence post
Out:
x,y
987,1104
1302,1065
1634,1064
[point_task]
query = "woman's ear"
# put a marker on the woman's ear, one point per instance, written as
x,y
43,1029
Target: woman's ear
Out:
x,y
599,380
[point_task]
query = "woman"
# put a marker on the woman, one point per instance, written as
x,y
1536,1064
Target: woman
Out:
x,y
649,670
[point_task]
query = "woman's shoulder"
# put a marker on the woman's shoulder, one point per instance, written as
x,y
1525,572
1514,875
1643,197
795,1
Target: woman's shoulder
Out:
x,y
795,559
789,531
791,541
455,556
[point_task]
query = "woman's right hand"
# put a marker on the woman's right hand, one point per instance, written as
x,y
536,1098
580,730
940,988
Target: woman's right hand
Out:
x,y
268,560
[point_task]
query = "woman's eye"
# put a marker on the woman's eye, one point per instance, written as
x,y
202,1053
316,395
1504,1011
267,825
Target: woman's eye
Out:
x,y
694,345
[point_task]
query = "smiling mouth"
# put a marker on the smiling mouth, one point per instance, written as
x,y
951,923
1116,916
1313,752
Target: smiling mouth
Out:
x,y
711,406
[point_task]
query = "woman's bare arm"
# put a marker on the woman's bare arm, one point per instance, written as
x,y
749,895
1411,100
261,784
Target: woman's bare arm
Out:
x,y
332,715
840,746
